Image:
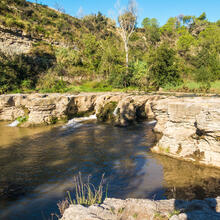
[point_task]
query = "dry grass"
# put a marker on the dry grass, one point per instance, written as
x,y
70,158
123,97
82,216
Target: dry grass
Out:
x,y
63,205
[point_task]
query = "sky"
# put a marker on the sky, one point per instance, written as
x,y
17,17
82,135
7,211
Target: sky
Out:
x,y
159,9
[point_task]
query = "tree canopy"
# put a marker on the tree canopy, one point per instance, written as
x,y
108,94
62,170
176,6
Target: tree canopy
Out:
x,y
67,52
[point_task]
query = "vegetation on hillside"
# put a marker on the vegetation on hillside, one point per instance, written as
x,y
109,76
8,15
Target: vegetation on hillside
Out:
x,y
71,54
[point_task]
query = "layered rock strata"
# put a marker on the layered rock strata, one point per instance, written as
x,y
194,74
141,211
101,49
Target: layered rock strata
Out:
x,y
190,129
14,42
119,109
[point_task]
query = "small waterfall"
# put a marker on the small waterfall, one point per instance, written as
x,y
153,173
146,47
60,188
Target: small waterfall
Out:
x,y
76,122
14,123
115,111
153,122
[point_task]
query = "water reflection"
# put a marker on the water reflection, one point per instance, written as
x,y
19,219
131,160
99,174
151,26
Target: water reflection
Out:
x,y
37,167
183,180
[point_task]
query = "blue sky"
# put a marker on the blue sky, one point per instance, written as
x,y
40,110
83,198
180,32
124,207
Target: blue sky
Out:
x,y
160,9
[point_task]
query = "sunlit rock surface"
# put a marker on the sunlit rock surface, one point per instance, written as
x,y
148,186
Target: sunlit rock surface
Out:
x,y
190,128
140,209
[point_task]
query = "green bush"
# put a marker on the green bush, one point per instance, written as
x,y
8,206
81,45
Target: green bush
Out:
x,y
51,83
140,74
185,42
206,66
118,77
163,67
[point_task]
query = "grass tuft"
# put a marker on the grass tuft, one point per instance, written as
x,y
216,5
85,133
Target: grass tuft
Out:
x,y
86,193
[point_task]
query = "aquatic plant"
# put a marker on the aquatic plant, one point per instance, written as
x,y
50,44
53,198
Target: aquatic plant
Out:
x,y
22,119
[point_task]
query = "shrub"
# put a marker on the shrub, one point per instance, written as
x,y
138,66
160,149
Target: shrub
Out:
x,y
118,77
140,74
163,68
50,82
206,67
26,84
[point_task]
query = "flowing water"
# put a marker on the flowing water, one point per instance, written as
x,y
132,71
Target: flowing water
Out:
x,y
37,166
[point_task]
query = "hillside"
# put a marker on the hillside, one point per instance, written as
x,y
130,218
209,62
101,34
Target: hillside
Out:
x,y
42,49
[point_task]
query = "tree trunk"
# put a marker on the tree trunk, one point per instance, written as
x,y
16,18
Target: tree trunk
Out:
x,y
126,53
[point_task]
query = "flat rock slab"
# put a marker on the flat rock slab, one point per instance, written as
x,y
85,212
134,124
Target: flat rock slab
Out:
x,y
140,209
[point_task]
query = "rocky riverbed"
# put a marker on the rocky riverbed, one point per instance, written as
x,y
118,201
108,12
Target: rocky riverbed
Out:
x,y
189,127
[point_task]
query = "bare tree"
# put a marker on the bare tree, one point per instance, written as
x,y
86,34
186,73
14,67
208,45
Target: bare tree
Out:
x,y
127,21
80,13
59,7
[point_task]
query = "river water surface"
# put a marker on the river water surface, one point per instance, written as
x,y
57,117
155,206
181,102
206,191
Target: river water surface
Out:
x,y
37,166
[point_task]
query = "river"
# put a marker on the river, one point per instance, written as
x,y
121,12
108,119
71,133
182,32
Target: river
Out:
x,y
37,166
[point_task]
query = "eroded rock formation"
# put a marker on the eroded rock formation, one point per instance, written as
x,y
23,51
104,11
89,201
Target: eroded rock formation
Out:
x,y
190,129
120,109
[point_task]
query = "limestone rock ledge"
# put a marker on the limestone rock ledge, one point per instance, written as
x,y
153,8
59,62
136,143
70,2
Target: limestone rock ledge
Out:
x,y
140,209
120,109
190,129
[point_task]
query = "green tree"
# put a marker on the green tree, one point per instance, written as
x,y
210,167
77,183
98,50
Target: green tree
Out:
x,y
163,67
207,67
185,42
169,29
152,30
140,74
91,53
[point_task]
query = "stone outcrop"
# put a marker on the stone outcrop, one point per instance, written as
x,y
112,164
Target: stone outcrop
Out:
x,y
139,209
43,108
14,42
189,127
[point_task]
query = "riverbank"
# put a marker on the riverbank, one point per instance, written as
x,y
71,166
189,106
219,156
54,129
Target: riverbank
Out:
x,y
140,209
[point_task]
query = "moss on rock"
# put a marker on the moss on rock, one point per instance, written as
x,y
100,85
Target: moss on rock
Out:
x,y
106,112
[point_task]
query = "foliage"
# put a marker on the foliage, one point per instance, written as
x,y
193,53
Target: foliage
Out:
x,y
140,74
21,71
88,54
163,67
152,30
51,83
207,67
185,42
22,119
170,27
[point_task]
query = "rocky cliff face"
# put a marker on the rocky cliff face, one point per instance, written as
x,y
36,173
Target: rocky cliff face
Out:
x,y
14,42
190,127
